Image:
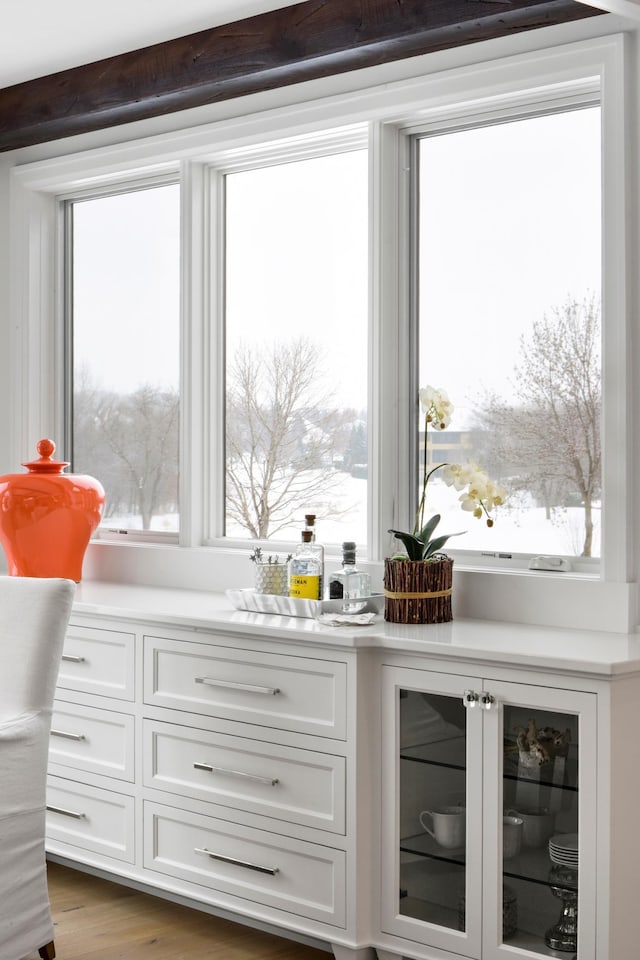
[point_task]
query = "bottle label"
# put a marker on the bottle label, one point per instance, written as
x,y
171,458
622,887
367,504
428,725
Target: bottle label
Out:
x,y
336,589
305,586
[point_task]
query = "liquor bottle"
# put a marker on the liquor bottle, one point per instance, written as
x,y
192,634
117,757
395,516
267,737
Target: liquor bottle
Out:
x,y
310,524
305,570
349,583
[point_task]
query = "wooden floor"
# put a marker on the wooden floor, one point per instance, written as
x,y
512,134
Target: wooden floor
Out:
x,y
98,920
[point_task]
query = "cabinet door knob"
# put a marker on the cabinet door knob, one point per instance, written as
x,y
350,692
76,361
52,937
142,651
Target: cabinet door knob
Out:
x,y
487,700
470,698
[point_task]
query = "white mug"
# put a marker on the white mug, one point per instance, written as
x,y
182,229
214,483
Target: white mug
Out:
x,y
511,836
447,825
538,825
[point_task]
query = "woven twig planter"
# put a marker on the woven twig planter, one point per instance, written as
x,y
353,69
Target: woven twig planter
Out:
x,y
418,591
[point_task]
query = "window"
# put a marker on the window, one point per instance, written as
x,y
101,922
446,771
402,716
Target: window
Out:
x,y
296,316
294,228
509,293
124,310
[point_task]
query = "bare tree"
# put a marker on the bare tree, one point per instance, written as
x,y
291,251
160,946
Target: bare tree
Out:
x,y
548,442
282,433
130,442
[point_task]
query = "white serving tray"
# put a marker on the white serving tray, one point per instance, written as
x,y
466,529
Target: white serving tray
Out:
x,y
248,599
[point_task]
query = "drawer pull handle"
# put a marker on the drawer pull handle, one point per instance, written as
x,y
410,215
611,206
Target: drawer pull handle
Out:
x,y
70,658
67,813
238,863
68,736
231,684
270,781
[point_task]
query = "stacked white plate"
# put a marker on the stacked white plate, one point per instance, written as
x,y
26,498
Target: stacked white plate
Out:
x,y
563,849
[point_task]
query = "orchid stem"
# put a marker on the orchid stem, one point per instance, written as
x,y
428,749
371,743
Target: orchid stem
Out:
x,y
419,520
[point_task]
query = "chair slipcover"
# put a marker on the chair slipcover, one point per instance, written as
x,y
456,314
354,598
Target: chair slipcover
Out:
x,y
34,614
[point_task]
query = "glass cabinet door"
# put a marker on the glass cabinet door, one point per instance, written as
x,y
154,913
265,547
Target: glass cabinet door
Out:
x,y
544,844
435,810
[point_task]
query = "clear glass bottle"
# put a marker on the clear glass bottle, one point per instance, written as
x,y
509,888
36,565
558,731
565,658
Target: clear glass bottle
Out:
x,y
349,583
310,524
305,570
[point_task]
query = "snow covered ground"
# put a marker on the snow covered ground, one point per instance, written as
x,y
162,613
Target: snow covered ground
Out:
x,y
515,531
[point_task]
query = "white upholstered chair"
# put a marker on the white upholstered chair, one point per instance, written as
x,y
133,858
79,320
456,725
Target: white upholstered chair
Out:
x,y
33,619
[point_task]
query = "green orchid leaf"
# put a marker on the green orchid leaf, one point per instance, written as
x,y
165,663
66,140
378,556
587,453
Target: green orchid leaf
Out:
x,y
413,546
438,543
427,531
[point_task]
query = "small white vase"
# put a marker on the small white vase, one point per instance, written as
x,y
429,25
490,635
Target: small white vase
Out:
x,y
272,578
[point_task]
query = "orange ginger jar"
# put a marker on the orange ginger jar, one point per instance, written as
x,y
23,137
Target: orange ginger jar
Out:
x,y
47,517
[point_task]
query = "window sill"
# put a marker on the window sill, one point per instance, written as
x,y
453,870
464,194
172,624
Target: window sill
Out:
x,y
573,600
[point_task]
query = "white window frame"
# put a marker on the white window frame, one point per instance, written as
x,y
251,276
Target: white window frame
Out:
x,y
389,109
519,595
581,95
64,206
340,140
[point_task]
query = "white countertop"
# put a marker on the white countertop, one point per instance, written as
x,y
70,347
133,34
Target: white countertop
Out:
x,y
593,653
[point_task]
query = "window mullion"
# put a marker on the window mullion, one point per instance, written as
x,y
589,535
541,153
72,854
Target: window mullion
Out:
x,y
390,427
193,326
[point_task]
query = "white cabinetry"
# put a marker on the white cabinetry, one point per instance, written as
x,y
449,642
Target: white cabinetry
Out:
x,y
295,693
218,768
267,868
255,760
479,748
91,790
276,771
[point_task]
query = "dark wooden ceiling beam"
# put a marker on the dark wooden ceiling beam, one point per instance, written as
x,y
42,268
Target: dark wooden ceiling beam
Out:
x,y
302,42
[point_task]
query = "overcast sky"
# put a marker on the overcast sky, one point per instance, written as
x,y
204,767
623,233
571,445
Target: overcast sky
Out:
x,y
510,229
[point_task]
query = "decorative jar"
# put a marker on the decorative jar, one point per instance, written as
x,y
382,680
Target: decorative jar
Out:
x,y
47,517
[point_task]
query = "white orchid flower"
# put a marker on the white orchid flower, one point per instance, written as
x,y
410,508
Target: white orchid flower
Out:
x,y
436,406
478,493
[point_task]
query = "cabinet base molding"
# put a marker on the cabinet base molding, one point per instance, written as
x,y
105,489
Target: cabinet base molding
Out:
x,y
353,953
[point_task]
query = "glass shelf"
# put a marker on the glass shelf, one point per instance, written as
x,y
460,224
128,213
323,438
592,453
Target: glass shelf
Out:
x,y
561,773
431,895
531,866
530,942
423,845
450,752
534,866
429,912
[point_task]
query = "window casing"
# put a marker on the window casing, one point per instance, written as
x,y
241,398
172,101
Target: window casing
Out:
x,y
392,116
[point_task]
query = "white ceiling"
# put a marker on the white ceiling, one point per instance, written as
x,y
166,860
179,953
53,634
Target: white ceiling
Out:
x,y
39,37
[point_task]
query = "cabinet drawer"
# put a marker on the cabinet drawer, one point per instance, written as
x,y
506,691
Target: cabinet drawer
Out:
x,y
98,661
301,878
273,690
96,820
297,786
99,741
